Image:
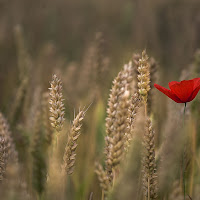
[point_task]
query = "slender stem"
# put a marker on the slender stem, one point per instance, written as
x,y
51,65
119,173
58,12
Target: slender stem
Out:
x,y
184,110
183,155
102,195
184,183
39,196
57,139
55,143
148,188
193,148
145,109
145,112
114,175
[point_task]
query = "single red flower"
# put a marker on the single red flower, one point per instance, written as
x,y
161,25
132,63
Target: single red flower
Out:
x,y
181,92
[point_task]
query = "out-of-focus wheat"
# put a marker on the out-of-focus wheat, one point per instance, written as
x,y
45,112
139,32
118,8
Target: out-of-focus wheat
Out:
x,y
149,163
12,149
20,93
38,156
170,158
24,60
117,118
128,185
34,107
5,147
24,66
102,177
177,192
48,130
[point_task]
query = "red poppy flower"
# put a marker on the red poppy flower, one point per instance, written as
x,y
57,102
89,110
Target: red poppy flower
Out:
x,y
181,92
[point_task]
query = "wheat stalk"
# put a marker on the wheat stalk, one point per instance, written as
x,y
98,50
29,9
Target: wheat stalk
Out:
x,y
153,67
12,149
143,76
24,60
38,156
102,177
20,93
69,157
149,163
5,146
177,192
132,112
45,118
121,128
24,67
128,185
116,121
56,104
34,107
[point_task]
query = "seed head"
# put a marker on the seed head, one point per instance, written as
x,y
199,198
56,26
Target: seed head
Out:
x,y
56,104
143,76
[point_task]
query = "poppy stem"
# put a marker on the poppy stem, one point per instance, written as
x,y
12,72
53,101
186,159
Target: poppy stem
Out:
x,y
183,154
185,108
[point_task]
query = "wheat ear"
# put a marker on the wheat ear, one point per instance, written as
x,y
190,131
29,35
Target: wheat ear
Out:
x,y
48,130
69,157
132,112
24,67
56,104
102,177
20,94
143,76
5,147
24,60
38,156
177,192
153,67
149,163
116,121
12,149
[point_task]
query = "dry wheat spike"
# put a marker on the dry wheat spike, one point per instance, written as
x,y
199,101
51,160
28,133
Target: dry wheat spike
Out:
x,y
69,157
117,114
5,146
143,76
133,110
45,116
177,192
149,163
56,104
12,149
102,177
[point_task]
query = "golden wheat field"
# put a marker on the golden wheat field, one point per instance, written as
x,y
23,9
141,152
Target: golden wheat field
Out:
x,y
83,111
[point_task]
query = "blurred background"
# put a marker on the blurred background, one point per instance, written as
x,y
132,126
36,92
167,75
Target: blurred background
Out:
x,y
86,43
169,30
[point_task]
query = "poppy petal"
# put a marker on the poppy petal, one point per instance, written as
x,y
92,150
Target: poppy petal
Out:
x,y
168,92
172,83
196,89
194,94
196,83
183,89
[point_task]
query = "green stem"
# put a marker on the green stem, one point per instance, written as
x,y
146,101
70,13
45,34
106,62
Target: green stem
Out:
x,y
183,154
39,196
185,108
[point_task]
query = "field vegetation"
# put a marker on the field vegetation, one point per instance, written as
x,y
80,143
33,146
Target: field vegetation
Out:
x,y
80,118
